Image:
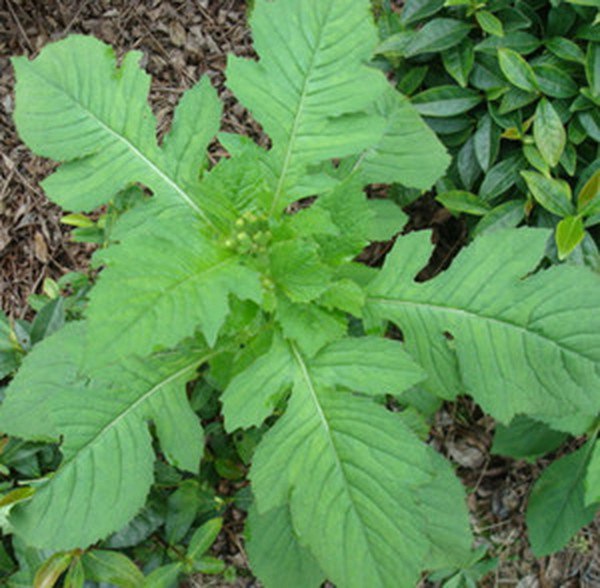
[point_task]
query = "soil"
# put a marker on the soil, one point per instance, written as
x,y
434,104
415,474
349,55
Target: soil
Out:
x,y
181,41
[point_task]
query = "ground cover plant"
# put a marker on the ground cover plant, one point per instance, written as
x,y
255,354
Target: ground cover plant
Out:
x,y
512,87
222,274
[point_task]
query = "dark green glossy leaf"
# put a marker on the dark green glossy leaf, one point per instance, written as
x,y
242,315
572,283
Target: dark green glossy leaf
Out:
x,y
519,41
569,233
445,101
588,199
486,74
438,35
508,120
549,133
489,23
411,78
500,178
182,506
458,61
554,195
555,82
589,32
560,19
590,121
139,528
592,68
565,49
49,319
556,509
112,567
449,126
415,10
487,142
517,71
568,159
525,438
513,19
587,94
396,44
466,163
457,139
461,201
515,99
576,132
535,159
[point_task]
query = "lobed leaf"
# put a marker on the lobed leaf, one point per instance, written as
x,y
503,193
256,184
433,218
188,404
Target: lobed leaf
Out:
x,y
366,472
518,346
161,284
389,161
74,105
311,88
107,449
275,553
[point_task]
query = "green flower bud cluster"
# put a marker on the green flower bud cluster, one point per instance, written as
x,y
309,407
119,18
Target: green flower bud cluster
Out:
x,y
251,234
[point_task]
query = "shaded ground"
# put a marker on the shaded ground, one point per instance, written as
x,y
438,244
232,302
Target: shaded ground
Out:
x,y
182,40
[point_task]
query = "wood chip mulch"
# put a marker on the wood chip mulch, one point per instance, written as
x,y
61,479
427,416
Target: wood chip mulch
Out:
x,y
183,40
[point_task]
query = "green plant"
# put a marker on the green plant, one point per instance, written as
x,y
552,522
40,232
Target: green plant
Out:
x,y
60,301
476,569
512,87
216,276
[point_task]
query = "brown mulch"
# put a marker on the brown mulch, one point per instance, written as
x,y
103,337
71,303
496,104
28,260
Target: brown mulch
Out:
x,y
183,40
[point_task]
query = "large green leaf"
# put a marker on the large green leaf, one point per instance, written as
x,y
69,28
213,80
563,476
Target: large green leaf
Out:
x,y
311,87
365,364
276,556
107,448
517,345
252,394
390,161
556,509
354,467
161,284
74,105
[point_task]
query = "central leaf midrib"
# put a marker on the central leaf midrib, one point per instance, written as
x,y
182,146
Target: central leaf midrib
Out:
x,y
132,407
326,427
151,299
129,145
440,308
300,111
